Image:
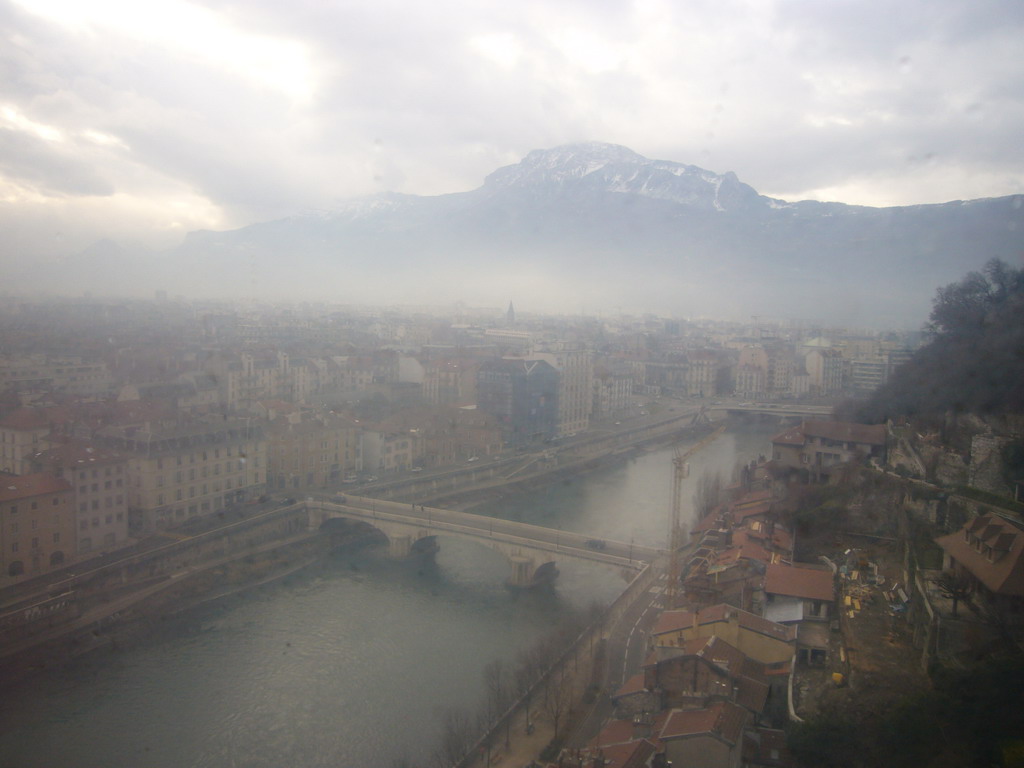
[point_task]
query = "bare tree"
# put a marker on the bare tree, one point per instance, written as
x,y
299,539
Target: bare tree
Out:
x,y
558,698
955,585
497,688
457,736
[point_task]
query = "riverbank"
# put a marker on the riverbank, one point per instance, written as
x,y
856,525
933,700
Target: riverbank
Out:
x,y
123,613
119,620
567,467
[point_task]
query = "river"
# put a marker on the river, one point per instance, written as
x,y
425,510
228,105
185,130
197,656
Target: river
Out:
x,y
351,662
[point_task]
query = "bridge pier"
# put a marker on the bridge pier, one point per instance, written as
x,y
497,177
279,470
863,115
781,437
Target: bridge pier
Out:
x,y
526,575
399,546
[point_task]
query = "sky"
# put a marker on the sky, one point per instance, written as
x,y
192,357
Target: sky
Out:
x,y
143,121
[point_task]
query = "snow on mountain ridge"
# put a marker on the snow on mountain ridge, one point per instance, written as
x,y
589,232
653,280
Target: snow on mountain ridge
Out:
x,y
614,168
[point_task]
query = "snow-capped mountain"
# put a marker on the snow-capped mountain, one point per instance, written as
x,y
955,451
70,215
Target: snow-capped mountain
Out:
x,y
613,168
586,226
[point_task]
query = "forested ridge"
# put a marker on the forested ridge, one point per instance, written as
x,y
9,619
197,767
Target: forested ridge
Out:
x,y
973,361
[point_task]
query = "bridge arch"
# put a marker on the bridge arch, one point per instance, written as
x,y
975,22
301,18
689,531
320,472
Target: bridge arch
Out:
x,y
530,550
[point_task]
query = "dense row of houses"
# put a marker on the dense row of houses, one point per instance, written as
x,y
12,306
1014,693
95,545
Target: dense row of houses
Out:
x,y
714,688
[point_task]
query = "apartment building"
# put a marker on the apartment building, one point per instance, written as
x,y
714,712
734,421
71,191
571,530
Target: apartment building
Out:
x,y
98,477
72,375
575,368
309,450
24,433
180,470
37,525
523,395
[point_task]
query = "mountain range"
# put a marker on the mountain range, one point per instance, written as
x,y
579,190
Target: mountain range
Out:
x,y
598,228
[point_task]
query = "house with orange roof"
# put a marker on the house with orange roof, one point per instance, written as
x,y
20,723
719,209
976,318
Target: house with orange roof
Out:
x,y
990,550
760,639
820,447
802,596
705,738
704,670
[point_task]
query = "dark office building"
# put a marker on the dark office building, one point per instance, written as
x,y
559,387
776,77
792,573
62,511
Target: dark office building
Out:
x,y
523,395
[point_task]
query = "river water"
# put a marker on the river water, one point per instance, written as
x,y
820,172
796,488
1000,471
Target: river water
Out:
x,y
351,662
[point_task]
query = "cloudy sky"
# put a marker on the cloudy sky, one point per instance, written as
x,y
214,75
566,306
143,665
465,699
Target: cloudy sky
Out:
x,y
145,120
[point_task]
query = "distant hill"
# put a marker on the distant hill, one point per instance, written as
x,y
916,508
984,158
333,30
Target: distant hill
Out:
x,y
596,227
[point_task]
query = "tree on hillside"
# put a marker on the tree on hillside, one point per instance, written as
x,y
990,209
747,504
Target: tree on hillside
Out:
x,y
954,585
974,362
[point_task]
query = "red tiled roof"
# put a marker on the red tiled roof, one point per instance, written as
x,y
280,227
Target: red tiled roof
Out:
x,y
743,549
77,453
753,497
636,752
1004,574
635,684
672,621
799,581
845,431
792,436
752,694
675,621
766,747
26,486
765,627
840,431
750,510
35,418
722,719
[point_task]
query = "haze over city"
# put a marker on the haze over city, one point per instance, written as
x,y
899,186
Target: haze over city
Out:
x,y
469,384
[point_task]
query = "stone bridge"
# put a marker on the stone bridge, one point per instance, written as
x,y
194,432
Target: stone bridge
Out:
x,y
532,550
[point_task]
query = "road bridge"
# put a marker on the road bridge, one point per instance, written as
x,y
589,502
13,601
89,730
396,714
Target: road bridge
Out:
x,y
782,410
532,550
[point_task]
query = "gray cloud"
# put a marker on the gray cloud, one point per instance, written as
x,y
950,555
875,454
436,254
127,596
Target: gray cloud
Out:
x,y
49,168
912,102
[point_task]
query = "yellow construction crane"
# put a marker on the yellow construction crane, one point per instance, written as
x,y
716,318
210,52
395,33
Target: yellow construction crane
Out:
x,y
681,470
